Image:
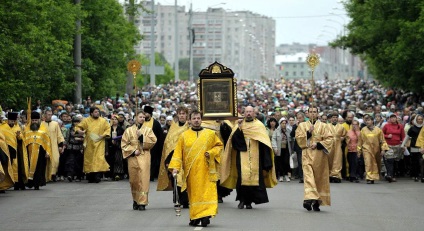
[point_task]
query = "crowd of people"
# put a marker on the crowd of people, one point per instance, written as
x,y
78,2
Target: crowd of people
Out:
x,y
349,130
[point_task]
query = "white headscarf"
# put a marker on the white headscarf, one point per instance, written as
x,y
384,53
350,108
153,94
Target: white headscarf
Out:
x,y
416,123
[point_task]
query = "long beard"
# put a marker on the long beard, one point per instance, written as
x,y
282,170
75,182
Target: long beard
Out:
x,y
34,126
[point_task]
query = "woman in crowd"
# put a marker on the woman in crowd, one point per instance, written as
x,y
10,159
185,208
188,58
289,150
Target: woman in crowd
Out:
x,y
114,155
416,156
272,124
281,151
352,138
394,134
74,152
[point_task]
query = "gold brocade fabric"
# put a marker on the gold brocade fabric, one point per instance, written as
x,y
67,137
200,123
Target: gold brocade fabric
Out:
x,y
24,154
94,149
11,141
56,137
169,145
149,123
335,158
370,144
254,132
200,172
138,166
33,140
6,172
315,162
420,139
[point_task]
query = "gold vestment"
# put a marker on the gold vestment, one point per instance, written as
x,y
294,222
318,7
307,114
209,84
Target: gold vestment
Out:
x,y
315,162
6,172
56,137
335,158
33,140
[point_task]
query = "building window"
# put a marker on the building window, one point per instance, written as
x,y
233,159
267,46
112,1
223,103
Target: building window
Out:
x,y
294,73
294,65
287,73
301,73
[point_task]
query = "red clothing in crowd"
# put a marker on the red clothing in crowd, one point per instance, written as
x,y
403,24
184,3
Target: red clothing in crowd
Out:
x,y
353,140
397,131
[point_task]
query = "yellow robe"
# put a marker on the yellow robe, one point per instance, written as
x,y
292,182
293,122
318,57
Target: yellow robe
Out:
x,y
335,158
6,172
11,141
56,137
254,132
33,140
420,139
138,166
370,144
315,162
200,173
94,149
169,145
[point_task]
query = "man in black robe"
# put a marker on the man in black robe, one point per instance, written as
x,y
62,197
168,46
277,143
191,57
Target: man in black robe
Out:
x,y
156,151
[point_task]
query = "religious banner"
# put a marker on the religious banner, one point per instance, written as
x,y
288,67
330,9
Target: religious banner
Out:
x,y
217,92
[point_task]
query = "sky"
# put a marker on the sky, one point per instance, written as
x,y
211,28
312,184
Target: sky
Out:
x,y
297,21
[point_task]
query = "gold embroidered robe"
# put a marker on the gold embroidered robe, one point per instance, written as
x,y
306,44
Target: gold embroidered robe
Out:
x,y
199,172
315,162
138,166
94,149
335,158
420,139
171,140
254,132
33,140
56,137
370,144
6,171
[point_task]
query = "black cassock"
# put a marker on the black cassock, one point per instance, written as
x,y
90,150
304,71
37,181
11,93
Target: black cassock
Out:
x,y
156,151
39,178
249,194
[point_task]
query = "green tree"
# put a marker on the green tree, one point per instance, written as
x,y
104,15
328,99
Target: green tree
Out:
x,y
390,37
107,40
36,43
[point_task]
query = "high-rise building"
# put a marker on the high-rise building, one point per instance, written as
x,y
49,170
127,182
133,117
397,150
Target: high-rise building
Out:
x,y
242,40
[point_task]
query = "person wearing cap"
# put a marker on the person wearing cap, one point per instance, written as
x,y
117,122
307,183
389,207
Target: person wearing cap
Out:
x,y
19,157
316,142
165,178
156,151
136,144
96,129
37,140
394,134
197,157
335,158
249,150
57,140
372,146
121,120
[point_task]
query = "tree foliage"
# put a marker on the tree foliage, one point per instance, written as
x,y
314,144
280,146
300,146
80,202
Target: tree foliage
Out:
x,y
36,43
390,37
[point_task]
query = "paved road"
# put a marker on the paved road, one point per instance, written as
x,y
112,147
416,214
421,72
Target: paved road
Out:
x,y
108,206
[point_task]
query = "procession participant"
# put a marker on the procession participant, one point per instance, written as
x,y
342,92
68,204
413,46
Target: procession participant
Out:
x,y
248,161
136,144
96,130
6,171
315,140
335,158
197,157
56,139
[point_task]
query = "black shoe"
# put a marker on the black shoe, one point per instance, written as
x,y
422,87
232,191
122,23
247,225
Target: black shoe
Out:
x,y
307,204
135,206
220,200
331,179
54,178
389,179
356,180
422,180
416,179
205,221
16,187
185,206
315,206
372,182
368,181
69,178
141,207
2,191
240,205
194,222
249,206
337,180
36,187
301,181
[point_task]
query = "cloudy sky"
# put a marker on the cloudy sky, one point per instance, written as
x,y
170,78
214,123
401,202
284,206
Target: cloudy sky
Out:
x,y
302,21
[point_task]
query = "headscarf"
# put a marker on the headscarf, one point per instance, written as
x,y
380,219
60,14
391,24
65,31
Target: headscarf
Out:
x,y
416,123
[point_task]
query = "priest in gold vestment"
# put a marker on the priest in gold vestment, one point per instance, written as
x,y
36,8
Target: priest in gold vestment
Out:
x,y
316,141
197,156
57,140
372,145
248,161
165,179
6,171
18,153
96,130
136,144
37,142
335,158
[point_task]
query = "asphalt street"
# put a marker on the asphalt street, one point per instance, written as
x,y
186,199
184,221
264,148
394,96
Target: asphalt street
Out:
x,y
108,206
